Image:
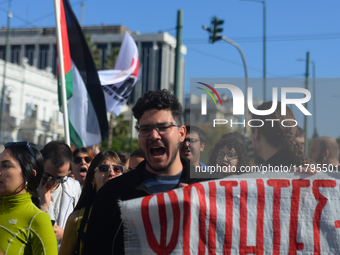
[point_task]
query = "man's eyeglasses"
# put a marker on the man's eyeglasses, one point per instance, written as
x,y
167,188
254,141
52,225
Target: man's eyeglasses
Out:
x,y
27,144
190,141
230,155
50,178
79,159
105,168
161,128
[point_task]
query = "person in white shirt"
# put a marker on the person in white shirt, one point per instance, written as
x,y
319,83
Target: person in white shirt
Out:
x,y
58,193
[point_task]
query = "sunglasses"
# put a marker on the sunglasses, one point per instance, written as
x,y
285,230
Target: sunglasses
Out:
x,y
19,144
105,168
79,159
49,178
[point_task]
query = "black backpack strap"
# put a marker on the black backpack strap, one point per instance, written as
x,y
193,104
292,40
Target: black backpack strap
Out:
x,y
83,223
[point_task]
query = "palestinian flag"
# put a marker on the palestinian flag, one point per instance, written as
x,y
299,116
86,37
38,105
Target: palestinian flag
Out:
x,y
88,123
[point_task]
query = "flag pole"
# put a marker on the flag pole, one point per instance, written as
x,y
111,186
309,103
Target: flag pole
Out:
x,y
62,72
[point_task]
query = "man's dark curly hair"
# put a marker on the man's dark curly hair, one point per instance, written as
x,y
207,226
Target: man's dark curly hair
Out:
x,y
160,100
232,142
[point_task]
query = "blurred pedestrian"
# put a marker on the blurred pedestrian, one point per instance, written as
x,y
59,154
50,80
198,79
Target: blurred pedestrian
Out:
x,y
58,193
136,157
300,138
274,143
230,154
105,166
325,150
82,158
125,158
24,229
193,145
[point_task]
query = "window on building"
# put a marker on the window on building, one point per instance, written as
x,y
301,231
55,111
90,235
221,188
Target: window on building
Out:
x,y
54,61
7,105
102,55
34,112
29,54
43,56
15,54
147,47
2,52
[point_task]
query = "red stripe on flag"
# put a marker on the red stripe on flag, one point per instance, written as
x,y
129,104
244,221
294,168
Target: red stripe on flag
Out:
x,y
64,36
135,73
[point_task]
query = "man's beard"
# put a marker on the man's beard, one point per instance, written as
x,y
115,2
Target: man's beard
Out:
x,y
174,155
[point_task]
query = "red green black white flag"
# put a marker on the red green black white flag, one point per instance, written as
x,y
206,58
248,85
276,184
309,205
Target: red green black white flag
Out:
x,y
87,117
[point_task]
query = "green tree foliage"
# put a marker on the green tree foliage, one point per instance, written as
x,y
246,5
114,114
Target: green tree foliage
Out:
x,y
110,60
120,136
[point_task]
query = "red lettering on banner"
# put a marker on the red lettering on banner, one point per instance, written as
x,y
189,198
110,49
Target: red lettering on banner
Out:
x,y
260,214
337,224
277,185
201,220
294,210
244,248
161,248
318,210
228,214
213,218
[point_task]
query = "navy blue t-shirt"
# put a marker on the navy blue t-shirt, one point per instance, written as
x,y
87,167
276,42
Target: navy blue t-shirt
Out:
x,y
160,183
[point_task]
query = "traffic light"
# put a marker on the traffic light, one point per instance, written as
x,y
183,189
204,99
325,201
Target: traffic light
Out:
x,y
216,29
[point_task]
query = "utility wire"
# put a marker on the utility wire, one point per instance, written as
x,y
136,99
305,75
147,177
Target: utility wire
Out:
x,y
271,38
30,23
238,64
4,2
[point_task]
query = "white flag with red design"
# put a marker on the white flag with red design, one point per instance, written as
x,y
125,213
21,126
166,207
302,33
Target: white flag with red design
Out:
x,y
117,84
237,216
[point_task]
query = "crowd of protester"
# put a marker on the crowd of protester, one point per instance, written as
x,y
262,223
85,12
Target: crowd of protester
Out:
x,y
59,200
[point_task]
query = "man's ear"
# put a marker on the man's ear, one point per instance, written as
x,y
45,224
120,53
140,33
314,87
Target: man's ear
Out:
x,y
34,172
202,147
325,154
182,133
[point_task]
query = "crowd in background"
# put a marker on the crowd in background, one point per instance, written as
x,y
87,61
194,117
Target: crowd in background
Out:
x,y
59,200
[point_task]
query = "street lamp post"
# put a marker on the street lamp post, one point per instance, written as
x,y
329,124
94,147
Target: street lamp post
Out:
x,y
306,105
264,45
315,133
245,71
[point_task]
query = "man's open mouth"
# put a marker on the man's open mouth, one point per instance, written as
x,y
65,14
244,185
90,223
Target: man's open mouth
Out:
x,y
82,170
157,151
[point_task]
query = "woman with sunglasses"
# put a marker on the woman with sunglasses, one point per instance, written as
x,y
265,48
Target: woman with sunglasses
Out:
x,y
105,166
82,158
24,229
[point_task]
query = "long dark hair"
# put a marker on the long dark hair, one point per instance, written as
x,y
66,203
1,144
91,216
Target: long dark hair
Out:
x,y
88,193
278,135
232,142
27,164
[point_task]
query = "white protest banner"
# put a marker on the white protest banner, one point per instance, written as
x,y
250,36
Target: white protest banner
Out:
x,y
237,216
117,84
